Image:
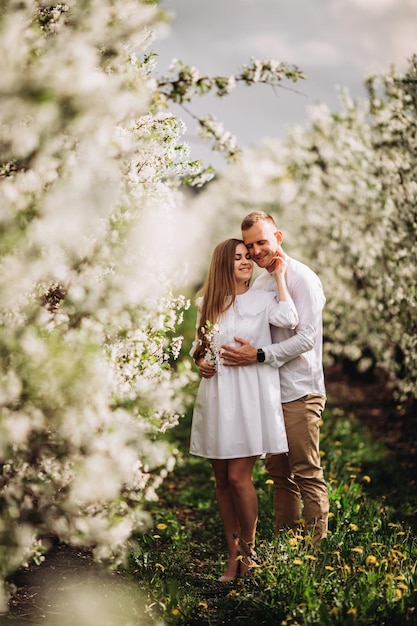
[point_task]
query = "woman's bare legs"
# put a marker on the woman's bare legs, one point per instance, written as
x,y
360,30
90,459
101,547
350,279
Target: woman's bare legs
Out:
x,y
238,506
228,515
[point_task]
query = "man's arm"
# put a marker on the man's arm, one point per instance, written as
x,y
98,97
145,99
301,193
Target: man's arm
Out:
x,y
309,301
276,354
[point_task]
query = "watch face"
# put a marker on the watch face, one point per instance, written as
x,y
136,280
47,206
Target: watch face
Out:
x,y
261,355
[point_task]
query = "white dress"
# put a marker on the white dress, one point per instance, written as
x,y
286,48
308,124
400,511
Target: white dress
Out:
x,y
238,411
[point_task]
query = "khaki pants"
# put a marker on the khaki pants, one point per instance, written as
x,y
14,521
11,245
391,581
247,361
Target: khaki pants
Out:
x,y
298,475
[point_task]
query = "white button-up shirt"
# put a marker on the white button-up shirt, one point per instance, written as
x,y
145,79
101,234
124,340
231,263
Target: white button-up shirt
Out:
x,y
298,353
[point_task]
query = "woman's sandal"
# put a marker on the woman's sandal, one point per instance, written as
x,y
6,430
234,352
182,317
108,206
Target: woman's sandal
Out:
x,y
230,579
245,561
247,557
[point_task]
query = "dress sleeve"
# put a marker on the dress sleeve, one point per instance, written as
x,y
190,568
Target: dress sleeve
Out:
x,y
283,314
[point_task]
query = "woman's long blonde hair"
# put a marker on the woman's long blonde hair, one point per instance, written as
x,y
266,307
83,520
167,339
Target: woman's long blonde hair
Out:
x,y
219,290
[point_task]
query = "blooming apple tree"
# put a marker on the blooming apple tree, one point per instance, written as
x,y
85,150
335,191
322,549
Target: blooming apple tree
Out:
x,y
85,292
355,175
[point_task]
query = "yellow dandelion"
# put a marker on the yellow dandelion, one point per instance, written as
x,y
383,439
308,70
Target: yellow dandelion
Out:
x,y
161,526
331,514
392,525
345,488
203,605
269,481
399,593
329,568
353,527
402,586
371,560
400,577
351,611
389,576
358,549
400,533
322,453
293,541
297,562
338,443
310,557
396,554
352,476
334,611
175,612
161,567
347,569
366,478
156,536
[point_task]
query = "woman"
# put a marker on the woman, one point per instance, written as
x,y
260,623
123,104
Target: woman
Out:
x,y
237,415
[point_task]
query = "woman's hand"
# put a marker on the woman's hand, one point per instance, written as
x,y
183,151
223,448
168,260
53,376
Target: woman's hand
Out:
x,y
281,264
206,370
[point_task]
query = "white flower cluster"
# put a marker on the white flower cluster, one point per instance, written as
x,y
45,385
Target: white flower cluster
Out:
x,y
212,352
224,141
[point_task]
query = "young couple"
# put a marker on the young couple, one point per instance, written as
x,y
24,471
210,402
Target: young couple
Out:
x,y
259,351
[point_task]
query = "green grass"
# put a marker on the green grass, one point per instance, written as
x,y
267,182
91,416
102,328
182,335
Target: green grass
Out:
x,y
363,573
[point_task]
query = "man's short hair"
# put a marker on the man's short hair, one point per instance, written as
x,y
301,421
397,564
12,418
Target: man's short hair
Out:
x,y
257,216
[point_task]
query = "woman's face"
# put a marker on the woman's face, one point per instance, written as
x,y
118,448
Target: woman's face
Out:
x,y
243,266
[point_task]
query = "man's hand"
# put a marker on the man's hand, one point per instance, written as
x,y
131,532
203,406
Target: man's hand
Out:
x,y
206,370
244,355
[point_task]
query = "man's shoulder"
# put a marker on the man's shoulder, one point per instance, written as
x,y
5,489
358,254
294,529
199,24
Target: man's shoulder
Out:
x,y
297,270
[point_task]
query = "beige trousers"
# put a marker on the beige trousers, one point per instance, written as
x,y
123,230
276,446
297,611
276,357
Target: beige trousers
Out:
x,y
298,475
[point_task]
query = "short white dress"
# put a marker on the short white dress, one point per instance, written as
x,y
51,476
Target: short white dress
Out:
x,y
238,411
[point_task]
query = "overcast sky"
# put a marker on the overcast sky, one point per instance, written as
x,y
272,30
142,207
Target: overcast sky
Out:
x,y
334,42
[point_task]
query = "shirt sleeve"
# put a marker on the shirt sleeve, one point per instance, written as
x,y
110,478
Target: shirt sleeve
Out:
x,y
309,301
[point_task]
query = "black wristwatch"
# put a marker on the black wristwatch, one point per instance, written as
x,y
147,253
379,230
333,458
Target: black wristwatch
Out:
x,y
260,356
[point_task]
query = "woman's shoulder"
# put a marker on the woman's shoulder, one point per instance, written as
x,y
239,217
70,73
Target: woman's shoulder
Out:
x,y
253,301
198,302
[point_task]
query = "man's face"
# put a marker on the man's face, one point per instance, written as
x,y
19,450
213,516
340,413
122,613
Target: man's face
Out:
x,y
262,241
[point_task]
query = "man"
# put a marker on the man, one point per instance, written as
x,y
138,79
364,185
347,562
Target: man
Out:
x,y
297,475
